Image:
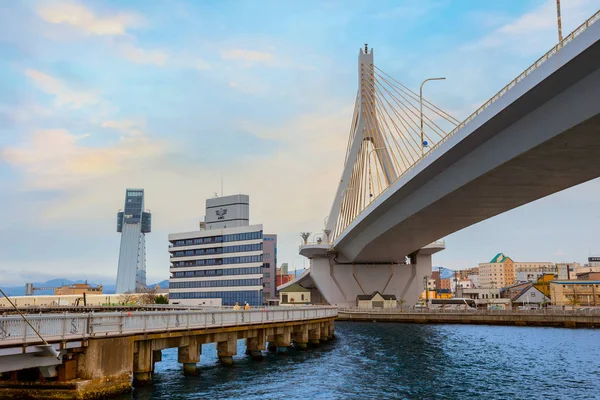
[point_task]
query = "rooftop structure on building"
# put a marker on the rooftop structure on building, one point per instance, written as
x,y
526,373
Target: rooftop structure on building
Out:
x,y
224,260
133,223
77,288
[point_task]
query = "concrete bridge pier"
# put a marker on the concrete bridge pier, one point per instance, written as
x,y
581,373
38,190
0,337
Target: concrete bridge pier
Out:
x,y
283,340
300,337
324,332
272,347
339,282
314,335
189,355
156,357
255,345
226,349
142,363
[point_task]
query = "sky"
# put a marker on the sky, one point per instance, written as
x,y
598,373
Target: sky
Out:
x,y
172,95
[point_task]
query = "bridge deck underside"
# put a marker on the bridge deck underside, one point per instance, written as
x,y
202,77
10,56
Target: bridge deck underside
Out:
x,y
568,159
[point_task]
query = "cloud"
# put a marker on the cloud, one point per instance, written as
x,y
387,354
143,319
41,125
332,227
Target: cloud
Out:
x,y
128,127
536,29
63,95
82,18
142,56
55,159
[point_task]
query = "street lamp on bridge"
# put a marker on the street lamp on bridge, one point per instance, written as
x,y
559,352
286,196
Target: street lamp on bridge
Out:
x,y
423,143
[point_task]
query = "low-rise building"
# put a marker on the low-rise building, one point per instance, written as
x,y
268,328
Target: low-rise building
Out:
x,y
376,300
77,289
543,283
589,276
575,293
524,294
294,295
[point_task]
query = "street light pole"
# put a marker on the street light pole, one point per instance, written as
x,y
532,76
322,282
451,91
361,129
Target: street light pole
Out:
x,y
421,105
558,18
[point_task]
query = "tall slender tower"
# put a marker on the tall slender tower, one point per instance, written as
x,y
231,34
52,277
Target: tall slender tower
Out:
x,y
133,223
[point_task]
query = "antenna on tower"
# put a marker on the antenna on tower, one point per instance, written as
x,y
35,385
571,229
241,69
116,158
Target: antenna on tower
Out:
x,y
366,48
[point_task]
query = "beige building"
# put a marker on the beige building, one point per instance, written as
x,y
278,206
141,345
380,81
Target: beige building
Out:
x,y
499,272
77,288
376,300
575,293
294,295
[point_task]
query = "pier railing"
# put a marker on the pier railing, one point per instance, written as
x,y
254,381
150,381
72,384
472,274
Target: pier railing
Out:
x,y
75,326
579,311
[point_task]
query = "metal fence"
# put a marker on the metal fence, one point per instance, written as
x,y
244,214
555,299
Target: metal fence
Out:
x,y
75,326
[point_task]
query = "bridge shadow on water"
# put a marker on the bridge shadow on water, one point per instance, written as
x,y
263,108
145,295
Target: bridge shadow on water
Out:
x,y
400,361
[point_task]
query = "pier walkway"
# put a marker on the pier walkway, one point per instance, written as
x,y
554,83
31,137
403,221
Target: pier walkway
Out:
x,y
94,355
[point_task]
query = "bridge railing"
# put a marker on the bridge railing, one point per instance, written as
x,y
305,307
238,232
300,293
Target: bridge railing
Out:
x,y
75,326
580,29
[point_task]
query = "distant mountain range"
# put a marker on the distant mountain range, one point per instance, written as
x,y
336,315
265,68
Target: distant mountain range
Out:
x,y
107,289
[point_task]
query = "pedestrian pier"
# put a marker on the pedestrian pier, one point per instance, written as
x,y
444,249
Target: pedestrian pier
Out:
x,y
100,354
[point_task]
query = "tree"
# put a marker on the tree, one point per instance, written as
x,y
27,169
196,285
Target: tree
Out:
x,y
126,298
573,300
401,302
160,299
148,295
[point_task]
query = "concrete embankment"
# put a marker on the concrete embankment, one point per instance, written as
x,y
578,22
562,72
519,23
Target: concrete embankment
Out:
x,y
476,318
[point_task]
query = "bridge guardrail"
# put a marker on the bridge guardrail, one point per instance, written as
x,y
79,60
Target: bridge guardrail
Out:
x,y
75,326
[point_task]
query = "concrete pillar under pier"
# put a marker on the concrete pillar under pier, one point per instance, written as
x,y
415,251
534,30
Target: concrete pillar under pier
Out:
x,y
300,337
255,345
156,357
324,332
227,349
271,346
314,335
142,363
189,355
283,340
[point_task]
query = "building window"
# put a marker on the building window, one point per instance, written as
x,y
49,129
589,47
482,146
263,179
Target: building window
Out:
x,y
267,274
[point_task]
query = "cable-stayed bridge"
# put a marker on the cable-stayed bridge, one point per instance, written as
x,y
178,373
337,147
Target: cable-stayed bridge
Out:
x,y
414,174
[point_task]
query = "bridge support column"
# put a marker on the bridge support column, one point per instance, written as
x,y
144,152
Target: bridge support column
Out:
x,y
340,284
324,332
227,349
255,345
272,347
314,335
283,340
190,355
300,337
156,357
331,329
142,363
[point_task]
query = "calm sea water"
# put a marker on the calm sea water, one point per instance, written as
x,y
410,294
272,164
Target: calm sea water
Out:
x,y
401,361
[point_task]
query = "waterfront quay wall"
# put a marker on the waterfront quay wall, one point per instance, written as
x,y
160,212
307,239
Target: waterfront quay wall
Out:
x,y
105,354
568,319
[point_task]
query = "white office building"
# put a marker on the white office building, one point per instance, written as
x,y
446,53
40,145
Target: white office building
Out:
x,y
222,263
